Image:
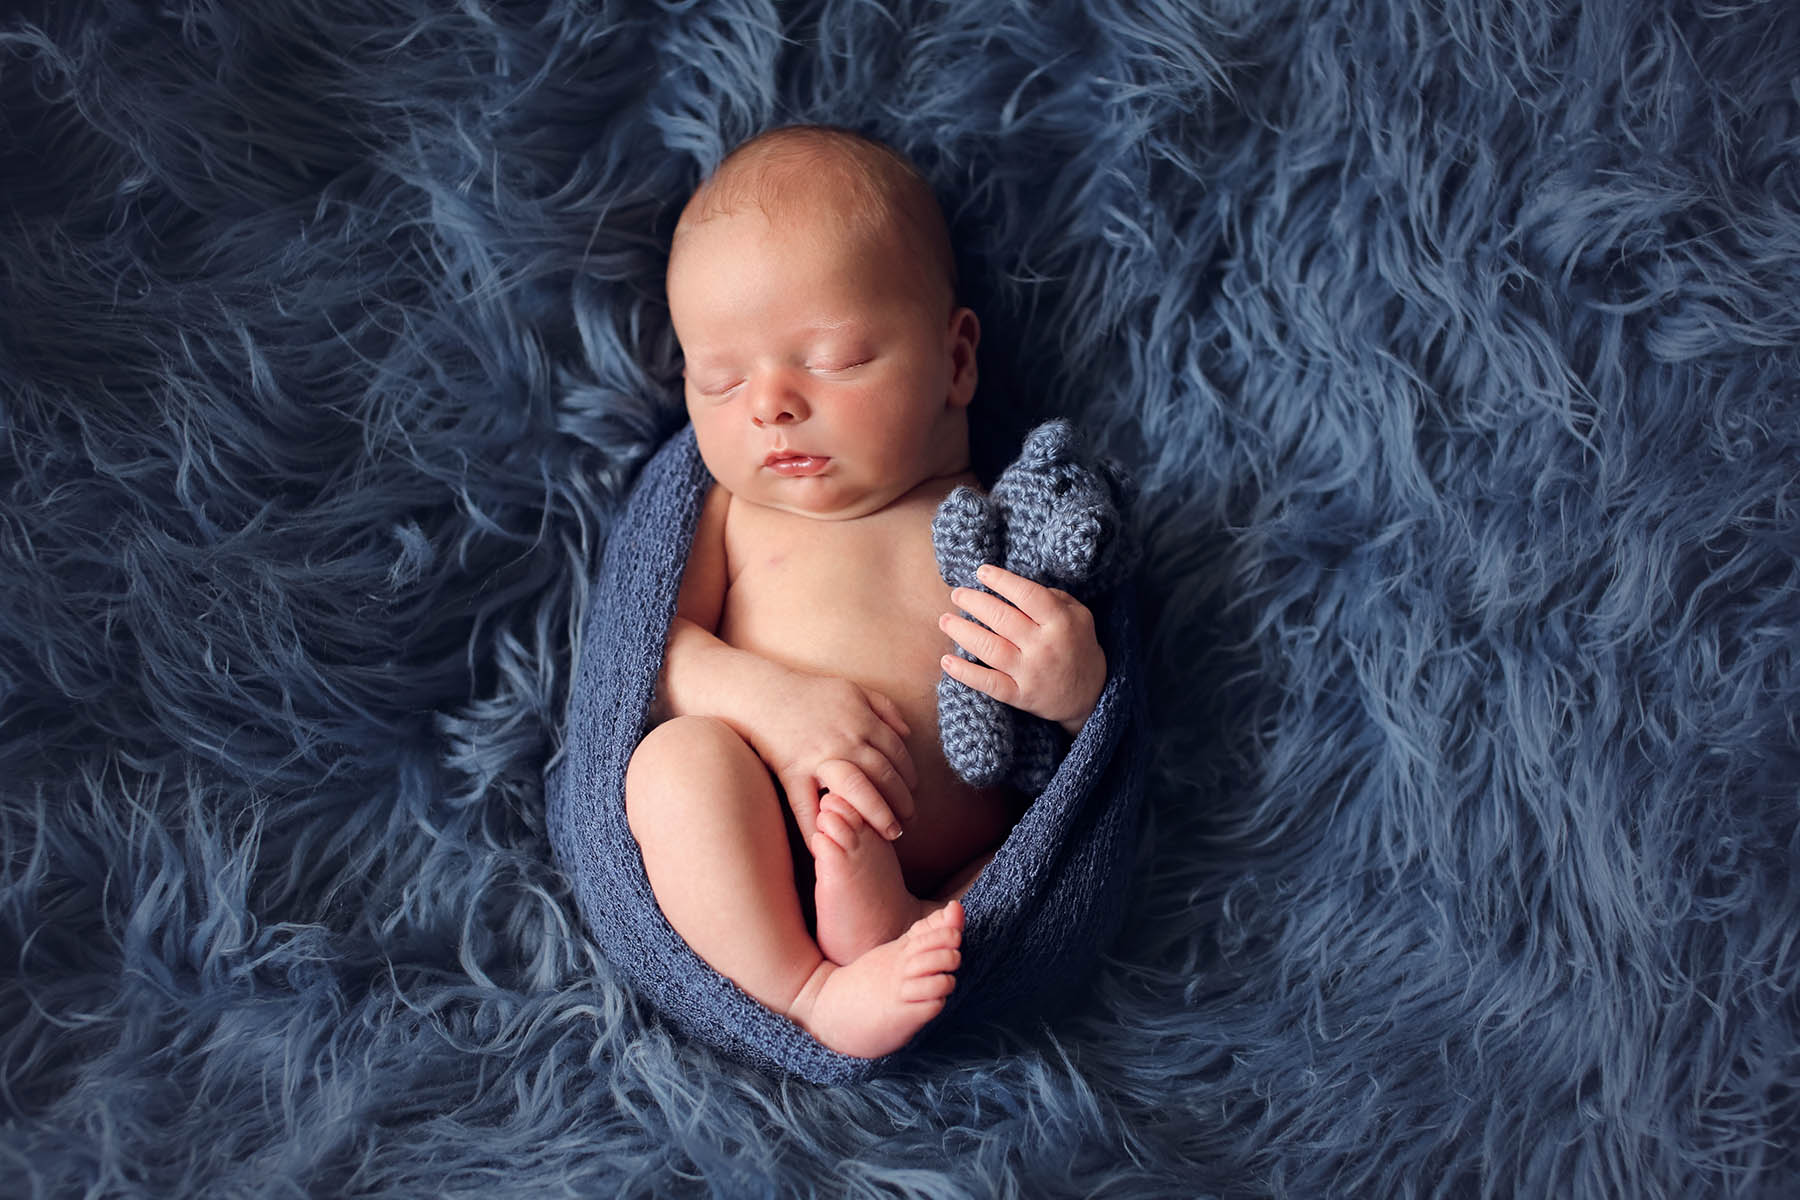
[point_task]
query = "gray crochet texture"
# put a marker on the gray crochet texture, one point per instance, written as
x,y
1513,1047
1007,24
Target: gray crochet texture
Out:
x,y
1038,915
1052,516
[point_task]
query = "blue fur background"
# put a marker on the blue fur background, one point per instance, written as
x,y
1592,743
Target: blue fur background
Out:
x,y
1454,345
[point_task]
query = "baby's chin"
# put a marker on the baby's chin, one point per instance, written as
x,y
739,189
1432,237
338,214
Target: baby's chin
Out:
x,y
820,497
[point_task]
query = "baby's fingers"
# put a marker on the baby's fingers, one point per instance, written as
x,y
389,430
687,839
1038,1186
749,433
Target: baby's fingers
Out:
x,y
803,801
889,737
997,684
1040,603
879,770
981,642
888,711
849,784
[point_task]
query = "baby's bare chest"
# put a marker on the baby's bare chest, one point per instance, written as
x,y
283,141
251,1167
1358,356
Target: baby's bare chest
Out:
x,y
859,599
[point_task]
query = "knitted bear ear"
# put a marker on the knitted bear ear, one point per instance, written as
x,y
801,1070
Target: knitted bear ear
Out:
x,y
1050,442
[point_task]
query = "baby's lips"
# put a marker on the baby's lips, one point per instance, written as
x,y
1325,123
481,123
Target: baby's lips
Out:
x,y
788,463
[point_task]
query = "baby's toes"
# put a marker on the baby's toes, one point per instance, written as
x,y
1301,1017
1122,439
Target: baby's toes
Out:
x,y
932,932
950,916
845,812
930,938
927,987
935,960
832,825
935,938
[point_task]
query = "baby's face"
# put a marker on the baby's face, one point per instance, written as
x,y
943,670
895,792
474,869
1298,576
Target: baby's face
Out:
x,y
823,377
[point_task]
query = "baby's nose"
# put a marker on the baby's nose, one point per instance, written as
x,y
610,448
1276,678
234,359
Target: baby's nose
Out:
x,y
774,401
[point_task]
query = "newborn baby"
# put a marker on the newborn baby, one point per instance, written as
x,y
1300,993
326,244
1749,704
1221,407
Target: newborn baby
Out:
x,y
829,373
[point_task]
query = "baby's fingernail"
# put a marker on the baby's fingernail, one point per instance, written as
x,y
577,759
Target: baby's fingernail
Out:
x,y
894,833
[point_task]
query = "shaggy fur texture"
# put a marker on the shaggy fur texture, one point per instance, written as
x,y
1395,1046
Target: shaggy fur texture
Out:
x,y
1453,346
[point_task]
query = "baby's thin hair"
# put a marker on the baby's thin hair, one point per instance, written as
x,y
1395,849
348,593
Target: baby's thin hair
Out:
x,y
777,168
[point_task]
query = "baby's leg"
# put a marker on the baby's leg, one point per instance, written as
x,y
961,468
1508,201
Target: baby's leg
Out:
x,y
859,893
706,817
860,897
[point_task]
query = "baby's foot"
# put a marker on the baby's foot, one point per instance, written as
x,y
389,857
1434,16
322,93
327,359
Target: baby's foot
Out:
x,y
875,1005
858,891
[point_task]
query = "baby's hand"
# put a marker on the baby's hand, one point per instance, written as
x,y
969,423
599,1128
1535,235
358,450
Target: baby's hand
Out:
x,y
1041,652
818,731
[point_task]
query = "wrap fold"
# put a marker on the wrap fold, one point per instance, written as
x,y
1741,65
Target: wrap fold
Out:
x,y
1038,915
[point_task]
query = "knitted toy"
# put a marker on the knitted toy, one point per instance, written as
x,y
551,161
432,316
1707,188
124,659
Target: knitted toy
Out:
x,y
1053,517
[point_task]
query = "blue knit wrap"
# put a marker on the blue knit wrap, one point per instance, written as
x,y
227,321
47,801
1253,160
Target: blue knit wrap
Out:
x,y
1038,914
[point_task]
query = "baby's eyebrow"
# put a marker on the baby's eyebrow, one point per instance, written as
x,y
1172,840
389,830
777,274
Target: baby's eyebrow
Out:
x,y
845,325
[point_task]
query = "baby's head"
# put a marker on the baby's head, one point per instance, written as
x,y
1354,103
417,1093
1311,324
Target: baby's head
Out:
x,y
813,291
819,175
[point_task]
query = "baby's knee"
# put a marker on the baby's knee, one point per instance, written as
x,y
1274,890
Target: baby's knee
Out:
x,y
682,746
682,766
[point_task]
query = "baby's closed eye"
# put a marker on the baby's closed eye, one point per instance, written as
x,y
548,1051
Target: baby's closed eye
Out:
x,y
837,353
713,387
838,363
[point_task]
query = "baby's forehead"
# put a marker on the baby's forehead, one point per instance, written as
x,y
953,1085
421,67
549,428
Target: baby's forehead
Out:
x,y
863,197
823,187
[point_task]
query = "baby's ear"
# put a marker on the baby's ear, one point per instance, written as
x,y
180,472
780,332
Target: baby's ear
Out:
x,y
964,336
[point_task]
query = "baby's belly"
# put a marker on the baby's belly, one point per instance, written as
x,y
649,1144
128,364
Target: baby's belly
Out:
x,y
898,657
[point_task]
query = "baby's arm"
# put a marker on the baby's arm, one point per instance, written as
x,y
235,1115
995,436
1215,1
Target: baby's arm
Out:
x,y
701,675
1039,643
813,731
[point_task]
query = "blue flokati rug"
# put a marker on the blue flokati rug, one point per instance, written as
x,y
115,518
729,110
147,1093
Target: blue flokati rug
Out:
x,y
1454,347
